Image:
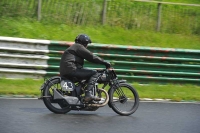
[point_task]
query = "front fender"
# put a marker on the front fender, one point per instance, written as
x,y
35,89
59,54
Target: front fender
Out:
x,y
119,81
122,81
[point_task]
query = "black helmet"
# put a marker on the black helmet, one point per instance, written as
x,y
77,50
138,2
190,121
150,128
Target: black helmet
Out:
x,y
83,39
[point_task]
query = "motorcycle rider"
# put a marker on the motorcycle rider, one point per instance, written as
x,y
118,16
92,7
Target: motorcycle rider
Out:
x,y
72,61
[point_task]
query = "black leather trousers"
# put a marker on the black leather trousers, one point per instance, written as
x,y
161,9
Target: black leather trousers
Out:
x,y
87,74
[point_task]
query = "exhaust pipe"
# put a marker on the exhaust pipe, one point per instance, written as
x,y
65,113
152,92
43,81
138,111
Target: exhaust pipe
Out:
x,y
101,104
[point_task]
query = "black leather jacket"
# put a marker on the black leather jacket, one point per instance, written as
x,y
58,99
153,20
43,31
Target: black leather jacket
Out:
x,y
73,58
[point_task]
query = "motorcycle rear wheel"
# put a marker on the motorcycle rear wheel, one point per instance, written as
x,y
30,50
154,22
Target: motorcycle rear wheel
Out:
x,y
58,107
124,99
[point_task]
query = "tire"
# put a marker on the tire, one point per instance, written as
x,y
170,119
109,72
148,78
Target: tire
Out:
x,y
124,99
60,107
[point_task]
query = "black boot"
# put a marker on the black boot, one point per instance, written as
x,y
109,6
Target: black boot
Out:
x,y
89,96
88,91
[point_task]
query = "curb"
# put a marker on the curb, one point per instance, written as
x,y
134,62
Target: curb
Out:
x,y
141,99
18,96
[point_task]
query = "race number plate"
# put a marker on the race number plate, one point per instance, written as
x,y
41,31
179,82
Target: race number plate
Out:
x,y
67,85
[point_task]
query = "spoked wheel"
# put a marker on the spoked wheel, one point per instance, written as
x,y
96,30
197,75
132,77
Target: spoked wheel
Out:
x,y
124,99
59,106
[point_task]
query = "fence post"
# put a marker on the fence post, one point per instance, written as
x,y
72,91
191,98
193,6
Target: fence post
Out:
x,y
104,12
158,17
39,10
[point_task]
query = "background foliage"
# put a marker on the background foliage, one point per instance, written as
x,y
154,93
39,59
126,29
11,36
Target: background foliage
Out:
x,y
126,14
64,19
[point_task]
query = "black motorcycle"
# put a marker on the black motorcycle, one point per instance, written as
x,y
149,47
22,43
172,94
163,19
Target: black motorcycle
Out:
x,y
62,95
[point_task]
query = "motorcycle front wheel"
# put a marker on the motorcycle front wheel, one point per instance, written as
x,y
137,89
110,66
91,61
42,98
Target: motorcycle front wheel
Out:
x,y
124,99
57,106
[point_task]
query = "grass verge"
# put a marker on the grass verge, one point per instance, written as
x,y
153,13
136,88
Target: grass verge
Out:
x,y
173,92
27,28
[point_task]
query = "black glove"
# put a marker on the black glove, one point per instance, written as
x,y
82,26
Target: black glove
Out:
x,y
107,64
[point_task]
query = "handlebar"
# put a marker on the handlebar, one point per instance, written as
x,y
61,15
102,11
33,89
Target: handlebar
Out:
x,y
106,69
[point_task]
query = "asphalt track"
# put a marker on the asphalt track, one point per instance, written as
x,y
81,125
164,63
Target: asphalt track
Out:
x,y
31,116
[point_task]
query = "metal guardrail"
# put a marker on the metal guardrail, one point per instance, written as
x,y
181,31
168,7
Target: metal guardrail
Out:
x,y
32,58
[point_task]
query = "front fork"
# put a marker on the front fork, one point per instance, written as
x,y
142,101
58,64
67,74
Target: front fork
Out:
x,y
114,85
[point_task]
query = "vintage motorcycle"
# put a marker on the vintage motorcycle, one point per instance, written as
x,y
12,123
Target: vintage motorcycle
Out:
x,y
62,95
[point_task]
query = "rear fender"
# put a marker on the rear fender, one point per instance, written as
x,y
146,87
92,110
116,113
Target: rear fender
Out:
x,y
48,81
